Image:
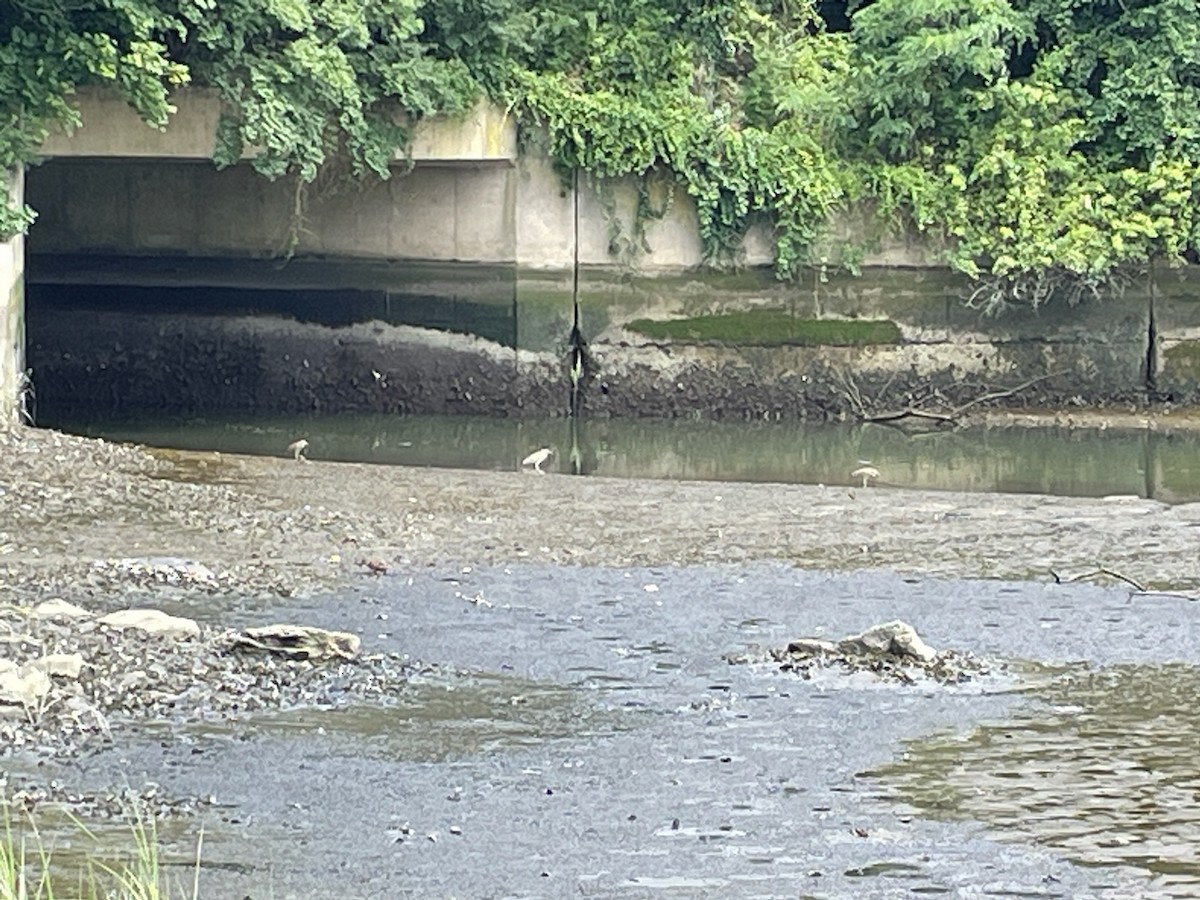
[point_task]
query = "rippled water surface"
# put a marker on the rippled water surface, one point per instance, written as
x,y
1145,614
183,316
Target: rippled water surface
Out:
x,y
1104,769
1043,460
602,747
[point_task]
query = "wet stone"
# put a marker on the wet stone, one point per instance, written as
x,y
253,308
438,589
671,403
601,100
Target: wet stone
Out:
x,y
894,638
151,621
299,642
58,608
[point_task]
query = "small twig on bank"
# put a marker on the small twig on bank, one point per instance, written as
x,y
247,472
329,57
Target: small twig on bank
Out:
x,y
851,393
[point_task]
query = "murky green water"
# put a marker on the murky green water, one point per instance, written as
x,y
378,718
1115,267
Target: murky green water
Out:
x,y
1107,773
1045,460
445,720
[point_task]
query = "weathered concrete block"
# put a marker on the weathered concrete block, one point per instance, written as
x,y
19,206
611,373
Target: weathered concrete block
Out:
x,y
545,312
1177,328
483,214
111,128
12,310
409,196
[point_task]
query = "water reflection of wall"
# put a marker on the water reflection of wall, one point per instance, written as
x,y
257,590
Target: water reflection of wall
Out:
x,y
1016,460
1052,461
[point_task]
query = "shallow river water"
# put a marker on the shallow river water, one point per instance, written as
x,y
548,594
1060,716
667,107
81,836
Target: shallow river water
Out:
x,y
1063,461
601,747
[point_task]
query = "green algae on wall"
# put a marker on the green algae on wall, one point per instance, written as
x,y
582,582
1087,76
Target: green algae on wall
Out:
x,y
769,328
1182,362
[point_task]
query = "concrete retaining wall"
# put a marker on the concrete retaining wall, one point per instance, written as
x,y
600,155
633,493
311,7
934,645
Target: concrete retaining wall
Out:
x,y
111,129
475,242
446,338
1177,333
12,311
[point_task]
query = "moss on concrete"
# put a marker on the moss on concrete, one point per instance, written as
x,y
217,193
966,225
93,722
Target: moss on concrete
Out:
x,y
1181,362
768,328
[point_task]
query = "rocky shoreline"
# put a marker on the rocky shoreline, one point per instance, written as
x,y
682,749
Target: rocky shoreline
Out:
x,y
71,681
106,527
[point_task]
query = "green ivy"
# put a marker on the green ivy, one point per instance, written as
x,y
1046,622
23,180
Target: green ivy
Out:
x,y
1048,147
719,98
49,47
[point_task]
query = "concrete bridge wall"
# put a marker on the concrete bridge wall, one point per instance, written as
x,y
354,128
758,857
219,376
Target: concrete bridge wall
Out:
x,y
116,185
12,310
111,129
517,213
497,234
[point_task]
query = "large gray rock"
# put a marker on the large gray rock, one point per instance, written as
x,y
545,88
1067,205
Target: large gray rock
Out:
x,y
63,665
896,638
299,641
22,685
813,646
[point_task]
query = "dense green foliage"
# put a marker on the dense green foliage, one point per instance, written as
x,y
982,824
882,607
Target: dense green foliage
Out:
x,y
1050,146
46,48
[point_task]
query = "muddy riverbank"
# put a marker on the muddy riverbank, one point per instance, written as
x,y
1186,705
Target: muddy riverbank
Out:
x,y
582,733
77,516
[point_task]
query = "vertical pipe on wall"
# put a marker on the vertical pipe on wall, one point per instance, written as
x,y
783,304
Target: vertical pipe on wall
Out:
x,y
1151,384
575,250
575,342
577,354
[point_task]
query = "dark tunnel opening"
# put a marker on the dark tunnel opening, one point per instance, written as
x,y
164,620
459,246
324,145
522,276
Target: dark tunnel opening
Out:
x,y
123,336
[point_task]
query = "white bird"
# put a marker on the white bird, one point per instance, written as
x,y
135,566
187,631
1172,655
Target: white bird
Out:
x,y
298,449
537,457
866,472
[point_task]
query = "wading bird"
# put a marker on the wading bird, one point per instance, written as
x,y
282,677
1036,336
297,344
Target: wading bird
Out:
x,y
298,449
537,457
866,472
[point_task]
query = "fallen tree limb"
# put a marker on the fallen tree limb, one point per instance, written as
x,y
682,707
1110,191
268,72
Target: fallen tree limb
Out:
x,y
1139,590
862,408
910,413
1192,597
1000,395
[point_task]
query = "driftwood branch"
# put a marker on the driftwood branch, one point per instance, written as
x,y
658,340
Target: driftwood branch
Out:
x,y
1139,589
1098,572
910,412
864,409
1000,395
1192,597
